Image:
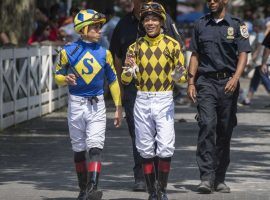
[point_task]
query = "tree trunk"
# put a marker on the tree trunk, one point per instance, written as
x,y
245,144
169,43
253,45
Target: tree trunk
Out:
x,y
17,19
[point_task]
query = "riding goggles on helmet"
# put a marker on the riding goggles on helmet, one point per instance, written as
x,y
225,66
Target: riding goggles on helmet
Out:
x,y
151,7
97,17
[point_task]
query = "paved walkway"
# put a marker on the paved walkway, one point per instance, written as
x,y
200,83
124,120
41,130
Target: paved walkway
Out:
x,y
36,162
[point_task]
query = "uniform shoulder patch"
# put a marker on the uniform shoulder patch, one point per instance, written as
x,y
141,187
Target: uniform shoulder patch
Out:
x,y
244,31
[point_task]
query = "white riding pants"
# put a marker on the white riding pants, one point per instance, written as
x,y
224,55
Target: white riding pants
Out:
x,y
87,123
154,122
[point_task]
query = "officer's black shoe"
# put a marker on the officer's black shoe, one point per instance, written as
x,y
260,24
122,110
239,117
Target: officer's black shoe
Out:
x,y
162,195
222,187
205,187
139,186
153,196
81,195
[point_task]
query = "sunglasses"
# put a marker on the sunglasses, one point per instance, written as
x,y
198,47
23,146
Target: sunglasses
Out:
x,y
96,17
151,7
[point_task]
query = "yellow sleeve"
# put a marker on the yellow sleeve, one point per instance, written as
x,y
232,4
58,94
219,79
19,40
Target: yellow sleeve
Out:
x,y
60,71
179,59
125,79
113,80
116,93
110,69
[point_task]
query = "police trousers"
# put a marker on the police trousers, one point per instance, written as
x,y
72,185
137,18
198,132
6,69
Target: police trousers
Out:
x,y
216,120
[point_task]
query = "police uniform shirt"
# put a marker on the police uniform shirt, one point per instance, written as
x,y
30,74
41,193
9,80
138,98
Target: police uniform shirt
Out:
x,y
218,44
156,59
266,41
125,33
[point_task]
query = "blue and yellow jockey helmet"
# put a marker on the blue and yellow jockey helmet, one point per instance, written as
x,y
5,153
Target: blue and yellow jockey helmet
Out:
x,y
88,17
152,8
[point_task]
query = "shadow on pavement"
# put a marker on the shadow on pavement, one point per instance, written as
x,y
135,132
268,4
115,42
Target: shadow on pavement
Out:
x,y
62,198
125,199
39,153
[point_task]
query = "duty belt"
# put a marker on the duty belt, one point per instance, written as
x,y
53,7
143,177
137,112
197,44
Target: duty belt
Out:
x,y
219,75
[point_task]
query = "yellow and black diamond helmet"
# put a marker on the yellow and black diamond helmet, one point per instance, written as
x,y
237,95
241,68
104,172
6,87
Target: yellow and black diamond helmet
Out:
x,y
152,8
88,17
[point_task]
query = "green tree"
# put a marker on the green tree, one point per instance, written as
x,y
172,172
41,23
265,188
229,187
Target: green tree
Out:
x,y
17,19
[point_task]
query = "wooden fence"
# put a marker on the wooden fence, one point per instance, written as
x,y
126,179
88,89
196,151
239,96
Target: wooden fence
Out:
x,y
27,89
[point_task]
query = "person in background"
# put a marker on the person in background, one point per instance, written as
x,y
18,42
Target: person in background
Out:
x,y
107,29
4,39
126,6
67,31
265,67
257,57
72,13
266,53
44,35
41,34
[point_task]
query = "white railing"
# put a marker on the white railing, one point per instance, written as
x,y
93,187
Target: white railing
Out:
x,y
27,89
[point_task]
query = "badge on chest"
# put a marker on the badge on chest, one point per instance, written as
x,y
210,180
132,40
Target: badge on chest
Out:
x,y
230,33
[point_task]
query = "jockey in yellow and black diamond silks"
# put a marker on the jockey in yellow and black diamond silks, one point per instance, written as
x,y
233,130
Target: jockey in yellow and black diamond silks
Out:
x,y
156,59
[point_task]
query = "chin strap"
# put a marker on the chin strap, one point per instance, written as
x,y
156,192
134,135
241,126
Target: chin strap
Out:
x,y
85,30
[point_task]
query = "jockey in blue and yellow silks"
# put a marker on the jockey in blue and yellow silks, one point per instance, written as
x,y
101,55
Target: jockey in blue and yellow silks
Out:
x,y
82,66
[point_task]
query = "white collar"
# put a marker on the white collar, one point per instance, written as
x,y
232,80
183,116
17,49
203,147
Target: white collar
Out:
x,y
86,41
218,20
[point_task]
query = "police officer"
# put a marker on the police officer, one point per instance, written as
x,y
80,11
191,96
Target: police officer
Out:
x,y
126,32
219,48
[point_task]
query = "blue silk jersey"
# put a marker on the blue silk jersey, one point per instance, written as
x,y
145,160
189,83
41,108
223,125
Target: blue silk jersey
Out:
x,y
91,63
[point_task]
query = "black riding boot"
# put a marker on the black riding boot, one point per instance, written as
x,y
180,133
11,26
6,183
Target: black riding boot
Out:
x,y
81,170
163,173
91,189
150,178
